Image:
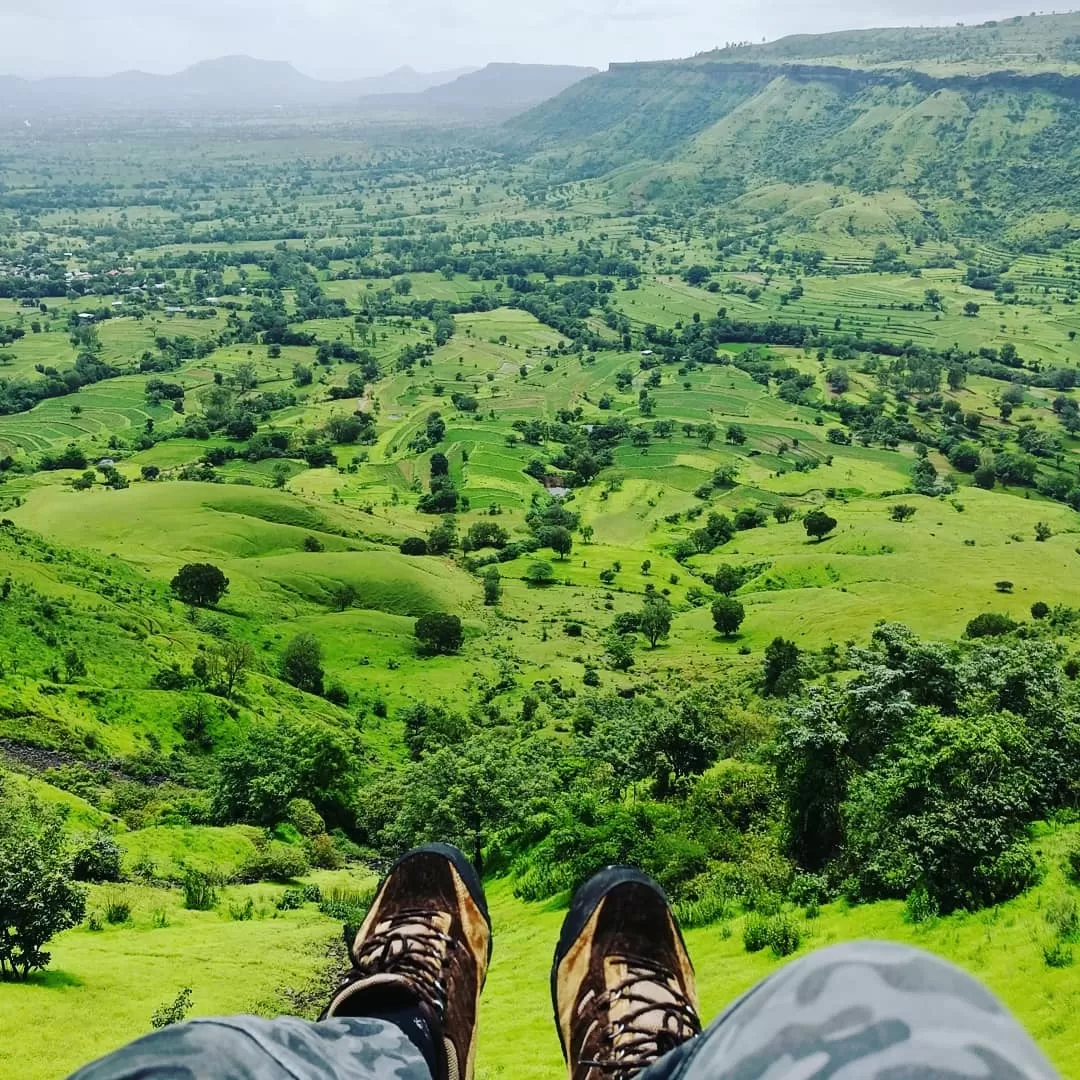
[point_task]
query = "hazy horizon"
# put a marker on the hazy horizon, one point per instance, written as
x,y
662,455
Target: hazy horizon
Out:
x,y
327,40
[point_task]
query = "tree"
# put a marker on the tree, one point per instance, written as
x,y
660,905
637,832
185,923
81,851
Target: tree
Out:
x,y
620,652
150,472
431,727
707,433
989,624
439,634
587,533
818,524
341,595
736,434
971,309
558,539
727,579
655,620
1040,610
783,513
540,573
780,669
902,512
38,895
1042,531
200,584
492,585
234,659
301,664
266,768
246,376
728,615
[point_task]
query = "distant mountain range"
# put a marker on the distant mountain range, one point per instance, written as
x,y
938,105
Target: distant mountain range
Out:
x,y
241,84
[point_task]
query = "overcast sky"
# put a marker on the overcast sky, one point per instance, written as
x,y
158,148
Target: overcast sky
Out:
x,y
348,38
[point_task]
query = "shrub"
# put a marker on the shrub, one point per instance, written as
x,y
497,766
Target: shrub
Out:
x,y
1062,917
98,860
1039,610
1057,954
989,624
290,900
199,891
336,694
305,817
784,935
173,1012
755,933
413,545
1072,862
808,889
324,854
117,908
312,894
242,912
160,919
920,906
277,861
94,922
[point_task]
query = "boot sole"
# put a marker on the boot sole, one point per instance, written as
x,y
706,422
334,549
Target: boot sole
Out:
x,y
586,900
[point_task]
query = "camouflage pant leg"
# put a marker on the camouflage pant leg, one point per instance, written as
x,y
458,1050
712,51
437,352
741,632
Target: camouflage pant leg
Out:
x,y
862,1011
248,1048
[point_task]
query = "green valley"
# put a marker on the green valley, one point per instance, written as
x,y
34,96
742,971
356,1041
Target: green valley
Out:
x,y
684,472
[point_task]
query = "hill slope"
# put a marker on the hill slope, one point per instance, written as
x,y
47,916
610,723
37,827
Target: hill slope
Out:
x,y
972,149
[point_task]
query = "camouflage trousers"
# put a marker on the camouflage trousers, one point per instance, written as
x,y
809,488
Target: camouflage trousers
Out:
x,y
853,1012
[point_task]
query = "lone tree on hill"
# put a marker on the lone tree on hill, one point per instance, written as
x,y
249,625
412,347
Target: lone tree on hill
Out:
x,y
439,634
727,615
655,620
818,524
902,512
301,664
200,584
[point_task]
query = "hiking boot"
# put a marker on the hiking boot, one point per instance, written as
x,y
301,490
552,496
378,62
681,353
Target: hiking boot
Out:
x,y
423,952
622,983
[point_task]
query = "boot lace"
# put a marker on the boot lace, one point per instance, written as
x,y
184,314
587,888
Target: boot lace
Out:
x,y
650,1028
411,947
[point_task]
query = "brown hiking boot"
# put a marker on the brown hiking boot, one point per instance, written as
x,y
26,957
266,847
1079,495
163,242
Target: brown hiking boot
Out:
x,y
424,947
622,983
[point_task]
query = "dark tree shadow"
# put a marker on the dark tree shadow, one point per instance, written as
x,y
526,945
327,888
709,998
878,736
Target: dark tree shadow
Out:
x,y
54,980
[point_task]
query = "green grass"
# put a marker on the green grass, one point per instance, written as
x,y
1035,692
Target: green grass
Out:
x,y
121,974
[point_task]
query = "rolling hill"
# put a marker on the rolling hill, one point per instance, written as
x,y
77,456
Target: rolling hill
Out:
x,y
973,149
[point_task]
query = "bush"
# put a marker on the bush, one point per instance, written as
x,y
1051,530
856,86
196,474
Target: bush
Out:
x,y
94,922
199,891
173,1012
98,860
784,935
1062,917
290,900
324,854
1072,863
808,889
755,933
117,908
312,894
244,912
413,545
278,862
305,817
989,624
920,906
1057,954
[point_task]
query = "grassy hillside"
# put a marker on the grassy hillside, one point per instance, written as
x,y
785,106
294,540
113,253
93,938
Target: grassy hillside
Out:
x,y
122,973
